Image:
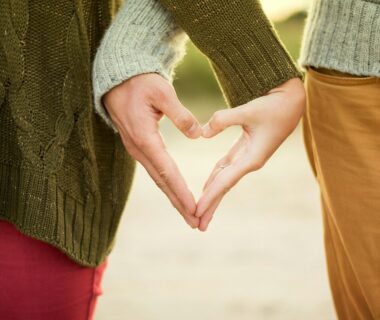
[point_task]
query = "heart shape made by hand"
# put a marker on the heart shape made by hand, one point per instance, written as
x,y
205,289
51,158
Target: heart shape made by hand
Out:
x,y
137,105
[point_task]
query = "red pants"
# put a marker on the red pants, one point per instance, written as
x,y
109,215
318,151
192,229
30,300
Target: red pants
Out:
x,y
39,282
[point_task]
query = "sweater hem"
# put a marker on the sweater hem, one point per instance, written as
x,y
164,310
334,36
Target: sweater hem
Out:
x,y
338,67
35,235
39,208
343,35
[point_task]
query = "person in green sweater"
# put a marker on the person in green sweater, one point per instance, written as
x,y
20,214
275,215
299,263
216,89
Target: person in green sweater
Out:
x,y
65,174
341,56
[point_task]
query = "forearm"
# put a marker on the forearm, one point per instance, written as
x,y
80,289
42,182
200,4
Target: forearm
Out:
x,y
143,38
244,49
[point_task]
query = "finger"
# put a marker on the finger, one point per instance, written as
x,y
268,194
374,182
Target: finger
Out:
x,y
139,156
251,157
155,152
222,183
191,220
218,167
226,160
207,217
182,118
222,119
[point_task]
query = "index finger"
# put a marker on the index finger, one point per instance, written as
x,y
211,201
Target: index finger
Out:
x,y
222,183
155,151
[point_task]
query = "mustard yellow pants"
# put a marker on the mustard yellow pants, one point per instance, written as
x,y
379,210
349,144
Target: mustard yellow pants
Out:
x,y
342,136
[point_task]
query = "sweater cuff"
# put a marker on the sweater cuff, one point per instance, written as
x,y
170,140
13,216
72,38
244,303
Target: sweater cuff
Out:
x,y
105,79
240,42
143,38
254,65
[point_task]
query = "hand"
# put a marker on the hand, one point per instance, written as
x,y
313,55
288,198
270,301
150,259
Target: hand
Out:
x,y
266,122
136,107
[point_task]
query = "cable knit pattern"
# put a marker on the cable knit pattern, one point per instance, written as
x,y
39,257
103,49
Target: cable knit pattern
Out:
x,y
65,175
143,38
343,35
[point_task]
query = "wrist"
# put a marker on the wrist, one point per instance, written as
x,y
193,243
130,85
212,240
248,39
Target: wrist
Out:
x,y
143,38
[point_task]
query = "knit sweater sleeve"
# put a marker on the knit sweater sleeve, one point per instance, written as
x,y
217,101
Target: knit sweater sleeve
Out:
x,y
240,42
142,38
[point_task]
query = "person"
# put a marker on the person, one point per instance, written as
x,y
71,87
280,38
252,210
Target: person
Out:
x,y
265,91
65,175
341,55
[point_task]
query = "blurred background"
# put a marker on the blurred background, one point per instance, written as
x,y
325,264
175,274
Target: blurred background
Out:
x,y
262,256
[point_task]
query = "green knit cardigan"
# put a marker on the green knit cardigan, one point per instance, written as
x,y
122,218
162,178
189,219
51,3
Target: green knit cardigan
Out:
x,y
64,174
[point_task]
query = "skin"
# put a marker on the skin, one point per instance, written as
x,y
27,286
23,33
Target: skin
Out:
x,y
265,122
137,105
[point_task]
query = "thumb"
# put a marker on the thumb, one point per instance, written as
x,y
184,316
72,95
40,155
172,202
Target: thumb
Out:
x,y
222,119
182,118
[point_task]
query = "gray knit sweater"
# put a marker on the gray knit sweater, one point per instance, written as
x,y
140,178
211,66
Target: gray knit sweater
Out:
x,y
340,34
143,38
343,35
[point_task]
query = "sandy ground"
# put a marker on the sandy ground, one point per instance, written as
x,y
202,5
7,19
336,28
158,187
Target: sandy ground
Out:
x,y
262,257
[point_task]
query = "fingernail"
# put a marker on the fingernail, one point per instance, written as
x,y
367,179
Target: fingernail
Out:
x,y
203,229
195,129
198,214
206,130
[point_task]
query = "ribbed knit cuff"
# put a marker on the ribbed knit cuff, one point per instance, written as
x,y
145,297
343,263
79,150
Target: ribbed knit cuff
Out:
x,y
343,35
143,38
241,43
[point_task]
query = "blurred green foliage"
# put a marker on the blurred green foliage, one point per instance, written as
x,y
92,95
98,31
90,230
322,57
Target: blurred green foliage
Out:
x,y
195,82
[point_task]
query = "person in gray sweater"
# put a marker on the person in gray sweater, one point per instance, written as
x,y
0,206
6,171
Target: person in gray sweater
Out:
x,y
341,57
